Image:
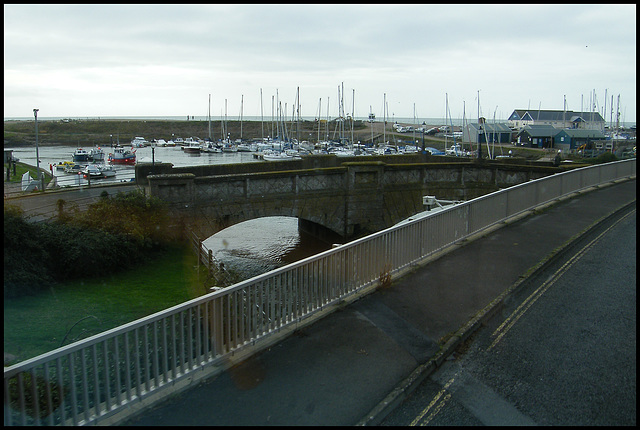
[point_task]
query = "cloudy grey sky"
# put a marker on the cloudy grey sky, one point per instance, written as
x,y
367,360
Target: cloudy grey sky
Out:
x,y
164,60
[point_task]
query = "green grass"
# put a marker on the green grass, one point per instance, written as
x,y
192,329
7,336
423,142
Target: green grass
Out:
x,y
21,168
37,324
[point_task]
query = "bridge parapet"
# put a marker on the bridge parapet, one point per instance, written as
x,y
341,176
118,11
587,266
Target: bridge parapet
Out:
x,y
351,200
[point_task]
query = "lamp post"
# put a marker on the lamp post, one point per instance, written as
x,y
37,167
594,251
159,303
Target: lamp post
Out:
x,y
40,179
153,153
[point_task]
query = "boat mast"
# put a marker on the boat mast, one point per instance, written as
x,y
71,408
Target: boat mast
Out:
x,y
604,110
327,127
278,115
319,116
353,113
241,109
261,117
371,123
209,115
226,125
451,123
384,120
414,123
298,117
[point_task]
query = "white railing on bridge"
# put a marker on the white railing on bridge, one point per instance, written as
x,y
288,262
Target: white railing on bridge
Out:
x,y
95,378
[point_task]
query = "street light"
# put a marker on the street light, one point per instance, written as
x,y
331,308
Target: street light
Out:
x,y
40,179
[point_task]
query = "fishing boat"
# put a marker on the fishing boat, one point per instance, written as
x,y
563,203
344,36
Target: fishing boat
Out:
x,y
80,155
96,154
122,156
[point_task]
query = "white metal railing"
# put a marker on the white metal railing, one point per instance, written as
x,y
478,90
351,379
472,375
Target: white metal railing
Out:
x,y
95,378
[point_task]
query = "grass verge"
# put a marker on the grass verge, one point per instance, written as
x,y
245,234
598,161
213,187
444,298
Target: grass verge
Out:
x,y
71,311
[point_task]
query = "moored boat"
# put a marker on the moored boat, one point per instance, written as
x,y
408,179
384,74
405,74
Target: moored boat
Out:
x,y
279,156
96,154
96,171
122,156
139,142
62,165
193,147
73,168
80,155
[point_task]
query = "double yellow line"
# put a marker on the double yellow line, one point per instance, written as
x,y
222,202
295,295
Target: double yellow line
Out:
x,y
524,306
433,402
432,409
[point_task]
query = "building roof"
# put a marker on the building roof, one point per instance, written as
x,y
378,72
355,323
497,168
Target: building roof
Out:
x,y
499,127
554,115
582,133
539,130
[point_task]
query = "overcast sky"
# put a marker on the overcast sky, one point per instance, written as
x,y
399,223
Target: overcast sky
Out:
x,y
165,60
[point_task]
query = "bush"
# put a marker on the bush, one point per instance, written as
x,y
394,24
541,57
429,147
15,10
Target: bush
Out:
x,y
25,257
112,235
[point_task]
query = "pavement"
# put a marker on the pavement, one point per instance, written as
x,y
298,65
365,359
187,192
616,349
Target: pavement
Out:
x,y
354,365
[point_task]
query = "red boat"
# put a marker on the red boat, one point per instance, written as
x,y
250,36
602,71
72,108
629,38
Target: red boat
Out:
x,y
122,156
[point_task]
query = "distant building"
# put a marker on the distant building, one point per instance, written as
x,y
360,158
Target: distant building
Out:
x,y
556,118
492,133
537,136
568,139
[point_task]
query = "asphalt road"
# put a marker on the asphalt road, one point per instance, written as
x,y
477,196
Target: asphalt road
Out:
x,y
562,352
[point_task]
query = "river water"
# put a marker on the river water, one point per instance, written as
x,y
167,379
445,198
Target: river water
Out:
x,y
249,248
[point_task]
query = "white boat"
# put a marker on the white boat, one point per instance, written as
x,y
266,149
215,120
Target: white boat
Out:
x,y
229,147
386,150
455,150
192,147
139,142
107,171
279,156
243,147
97,171
96,154
211,148
161,142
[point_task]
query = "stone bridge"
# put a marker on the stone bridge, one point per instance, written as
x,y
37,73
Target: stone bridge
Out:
x,y
334,200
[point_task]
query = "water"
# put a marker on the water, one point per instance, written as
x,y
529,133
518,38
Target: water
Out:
x,y
263,244
55,154
249,248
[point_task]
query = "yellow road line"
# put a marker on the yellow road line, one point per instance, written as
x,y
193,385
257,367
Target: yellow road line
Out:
x,y
433,402
529,301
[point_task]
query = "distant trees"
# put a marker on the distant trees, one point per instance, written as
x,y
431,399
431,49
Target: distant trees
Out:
x,y
113,234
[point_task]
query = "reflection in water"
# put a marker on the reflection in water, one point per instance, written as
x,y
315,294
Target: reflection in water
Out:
x,y
263,244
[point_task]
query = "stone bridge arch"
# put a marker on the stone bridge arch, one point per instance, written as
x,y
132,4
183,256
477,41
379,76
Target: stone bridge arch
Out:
x,y
207,221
